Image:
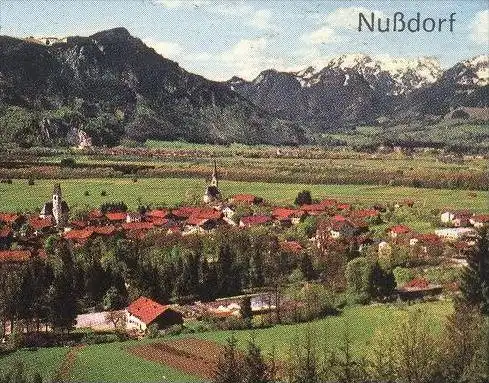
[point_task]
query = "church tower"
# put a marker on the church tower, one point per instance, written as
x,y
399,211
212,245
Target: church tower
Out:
x,y
212,193
214,181
57,206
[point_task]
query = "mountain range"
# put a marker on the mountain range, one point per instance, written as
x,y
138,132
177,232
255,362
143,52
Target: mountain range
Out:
x,y
110,86
357,88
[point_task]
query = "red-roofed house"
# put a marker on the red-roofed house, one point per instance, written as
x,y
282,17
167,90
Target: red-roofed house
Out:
x,y
104,230
116,217
344,206
480,220
185,212
344,228
9,218
5,231
133,217
95,216
245,198
157,214
138,225
293,247
14,256
40,224
458,218
144,311
313,209
254,220
288,215
397,230
160,221
78,235
78,224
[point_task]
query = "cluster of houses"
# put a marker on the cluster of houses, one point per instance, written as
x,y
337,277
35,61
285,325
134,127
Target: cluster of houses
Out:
x,y
342,222
22,236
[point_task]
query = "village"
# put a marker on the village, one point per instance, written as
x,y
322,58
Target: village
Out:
x,y
23,237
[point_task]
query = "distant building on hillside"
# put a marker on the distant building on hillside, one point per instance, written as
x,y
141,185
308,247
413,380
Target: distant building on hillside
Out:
x,y
212,193
46,40
57,208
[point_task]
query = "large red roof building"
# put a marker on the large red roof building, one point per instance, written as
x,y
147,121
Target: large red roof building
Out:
x,y
144,311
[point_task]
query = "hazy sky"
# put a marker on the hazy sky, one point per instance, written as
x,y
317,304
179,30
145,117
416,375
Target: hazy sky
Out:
x,y
218,39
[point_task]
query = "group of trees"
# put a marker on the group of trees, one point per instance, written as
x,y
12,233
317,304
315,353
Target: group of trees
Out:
x,y
109,272
410,352
39,292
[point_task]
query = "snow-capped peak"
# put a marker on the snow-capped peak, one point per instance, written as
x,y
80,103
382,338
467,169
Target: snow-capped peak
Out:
x,y
475,71
306,73
403,74
350,61
476,61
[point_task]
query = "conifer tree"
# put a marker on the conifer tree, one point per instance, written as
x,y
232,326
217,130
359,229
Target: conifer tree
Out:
x,y
475,277
255,368
229,367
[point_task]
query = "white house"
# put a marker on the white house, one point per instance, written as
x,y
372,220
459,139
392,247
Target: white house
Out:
x,y
456,233
144,311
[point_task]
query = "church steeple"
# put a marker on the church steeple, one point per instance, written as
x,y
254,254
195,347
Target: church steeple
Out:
x,y
57,205
212,192
214,180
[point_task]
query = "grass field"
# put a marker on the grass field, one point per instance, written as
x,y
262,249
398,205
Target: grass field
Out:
x,y
45,361
170,191
113,363
360,323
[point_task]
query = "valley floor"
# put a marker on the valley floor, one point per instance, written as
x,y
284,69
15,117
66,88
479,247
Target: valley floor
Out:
x,y
18,196
114,362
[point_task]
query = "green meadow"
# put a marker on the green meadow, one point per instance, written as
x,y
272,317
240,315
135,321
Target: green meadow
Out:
x,y
19,196
113,363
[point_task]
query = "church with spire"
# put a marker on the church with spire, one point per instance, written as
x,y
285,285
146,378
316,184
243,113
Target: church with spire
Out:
x,y
56,208
212,193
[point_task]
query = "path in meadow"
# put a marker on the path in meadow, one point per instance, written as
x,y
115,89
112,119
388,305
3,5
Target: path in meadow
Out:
x,y
64,371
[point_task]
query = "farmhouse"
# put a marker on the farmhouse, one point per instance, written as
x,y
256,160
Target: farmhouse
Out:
x,y
456,218
10,218
456,233
14,256
398,230
286,216
248,199
133,217
479,221
143,312
254,220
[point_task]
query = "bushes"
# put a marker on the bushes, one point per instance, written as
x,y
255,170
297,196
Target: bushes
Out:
x,y
98,338
403,275
303,198
308,302
358,277
366,280
68,163
152,331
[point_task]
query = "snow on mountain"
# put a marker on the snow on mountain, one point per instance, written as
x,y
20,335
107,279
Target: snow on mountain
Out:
x,y
474,71
401,75
392,75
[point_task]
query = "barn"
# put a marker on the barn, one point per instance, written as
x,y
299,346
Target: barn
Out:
x,y
144,311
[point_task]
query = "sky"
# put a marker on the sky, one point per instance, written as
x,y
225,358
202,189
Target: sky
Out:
x,y
220,39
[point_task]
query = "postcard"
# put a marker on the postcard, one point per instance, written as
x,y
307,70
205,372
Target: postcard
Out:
x,y
244,191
